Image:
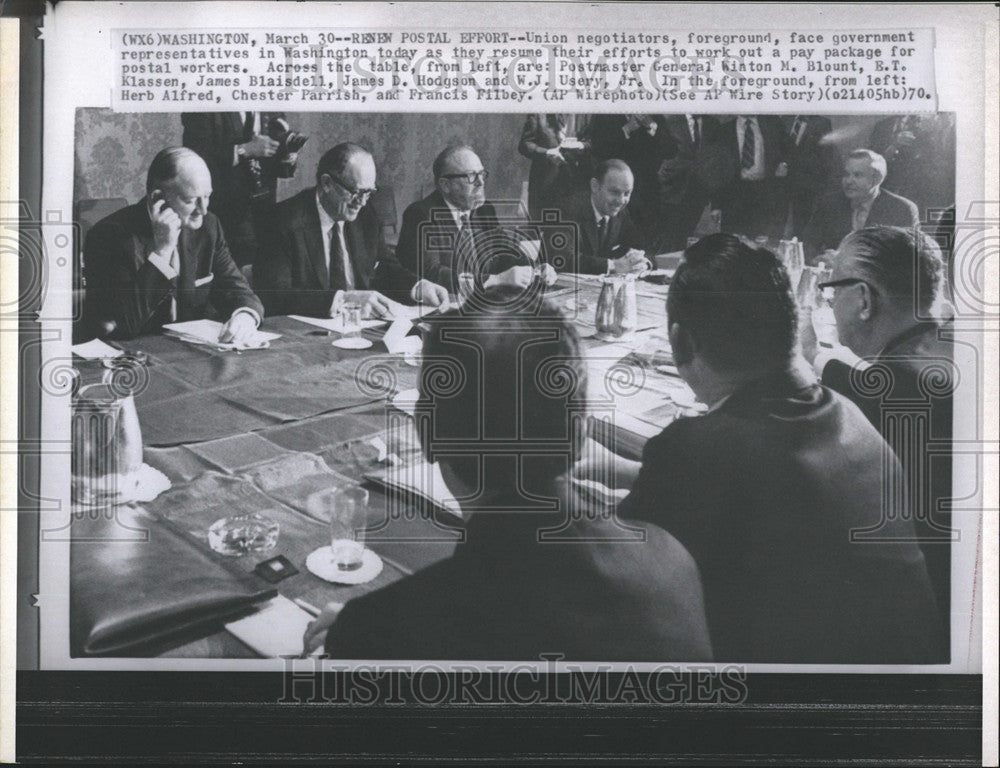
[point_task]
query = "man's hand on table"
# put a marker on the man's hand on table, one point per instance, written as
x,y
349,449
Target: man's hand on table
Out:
x,y
633,262
430,293
315,635
239,329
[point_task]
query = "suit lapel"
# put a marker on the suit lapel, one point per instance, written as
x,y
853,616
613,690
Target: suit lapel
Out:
x,y
312,234
236,120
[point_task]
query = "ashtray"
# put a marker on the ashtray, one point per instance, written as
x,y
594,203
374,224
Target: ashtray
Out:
x,y
242,534
125,360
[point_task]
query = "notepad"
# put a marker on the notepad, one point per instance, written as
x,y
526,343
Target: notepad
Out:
x,y
207,332
275,630
95,350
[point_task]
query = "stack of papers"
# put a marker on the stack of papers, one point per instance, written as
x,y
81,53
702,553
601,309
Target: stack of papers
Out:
x,y
421,479
206,333
95,350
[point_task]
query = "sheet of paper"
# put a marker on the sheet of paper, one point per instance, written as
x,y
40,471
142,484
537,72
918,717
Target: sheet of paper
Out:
x,y
207,332
335,323
275,630
406,401
95,350
530,248
422,479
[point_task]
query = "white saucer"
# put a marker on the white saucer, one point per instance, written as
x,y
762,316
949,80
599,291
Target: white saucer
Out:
x,y
320,562
352,342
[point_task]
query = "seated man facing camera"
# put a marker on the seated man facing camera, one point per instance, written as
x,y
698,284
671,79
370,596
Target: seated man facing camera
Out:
x,y
771,490
529,578
165,259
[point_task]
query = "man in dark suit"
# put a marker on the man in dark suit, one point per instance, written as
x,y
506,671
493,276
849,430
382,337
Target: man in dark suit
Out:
x,y
538,571
860,203
325,247
245,161
455,231
165,259
770,487
813,165
642,142
686,183
888,288
754,202
608,241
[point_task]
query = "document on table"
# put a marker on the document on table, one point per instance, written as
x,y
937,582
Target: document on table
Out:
x,y
206,332
336,323
422,479
275,630
95,350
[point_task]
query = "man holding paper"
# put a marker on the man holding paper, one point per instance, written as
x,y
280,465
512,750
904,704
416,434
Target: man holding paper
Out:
x,y
326,248
165,259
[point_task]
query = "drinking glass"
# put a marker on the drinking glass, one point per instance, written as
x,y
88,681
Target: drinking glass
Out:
x,y
345,509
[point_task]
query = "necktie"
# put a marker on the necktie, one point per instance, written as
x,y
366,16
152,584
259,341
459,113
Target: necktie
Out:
x,y
466,244
858,218
602,234
338,276
696,126
746,159
248,126
798,128
175,265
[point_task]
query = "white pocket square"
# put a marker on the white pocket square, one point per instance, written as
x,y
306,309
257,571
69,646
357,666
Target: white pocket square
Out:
x,y
203,280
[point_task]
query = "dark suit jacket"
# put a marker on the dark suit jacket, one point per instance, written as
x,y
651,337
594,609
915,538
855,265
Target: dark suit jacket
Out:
x,y
764,492
291,275
813,166
213,136
920,376
622,235
504,595
429,236
123,287
831,222
681,173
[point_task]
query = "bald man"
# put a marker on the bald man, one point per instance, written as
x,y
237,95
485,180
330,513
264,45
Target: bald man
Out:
x,y
165,259
455,230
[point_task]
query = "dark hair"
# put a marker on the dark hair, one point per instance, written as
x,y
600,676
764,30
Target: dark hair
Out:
x,y
445,155
603,168
737,303
501,385
905,265
165,166
336,159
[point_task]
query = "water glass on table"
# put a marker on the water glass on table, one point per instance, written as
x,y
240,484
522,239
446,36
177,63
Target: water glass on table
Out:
x,y
345,509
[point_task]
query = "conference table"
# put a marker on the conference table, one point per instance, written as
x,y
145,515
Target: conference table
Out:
x,y
263,430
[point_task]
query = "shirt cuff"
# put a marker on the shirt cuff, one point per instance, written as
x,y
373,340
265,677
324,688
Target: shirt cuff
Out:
x,y
840,353
162,263
250,311
236,155
337,303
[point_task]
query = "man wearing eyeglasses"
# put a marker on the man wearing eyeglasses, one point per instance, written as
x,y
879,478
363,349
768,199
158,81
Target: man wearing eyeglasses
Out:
x,y
454,230
326,248
897,365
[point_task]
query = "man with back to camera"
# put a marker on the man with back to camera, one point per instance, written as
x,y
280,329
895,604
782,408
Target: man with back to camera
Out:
x,y
326,247
609,242
455,230
860,202
888,300
766,489
165,259
529,578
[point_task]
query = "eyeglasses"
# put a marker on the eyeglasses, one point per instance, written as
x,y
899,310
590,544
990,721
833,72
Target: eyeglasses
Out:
x,y
844,282
356,195
473,178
